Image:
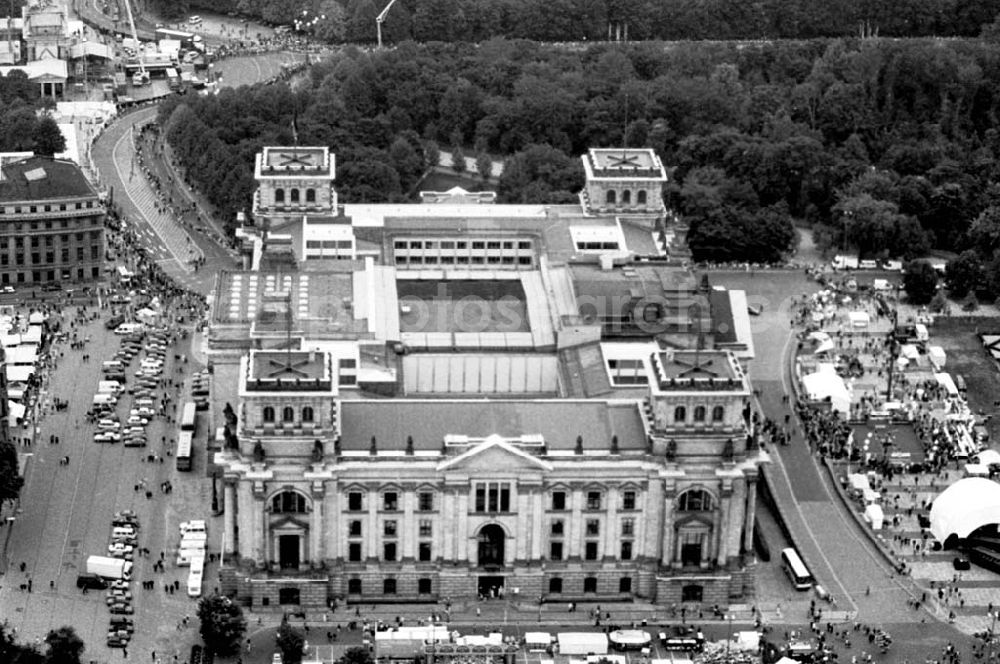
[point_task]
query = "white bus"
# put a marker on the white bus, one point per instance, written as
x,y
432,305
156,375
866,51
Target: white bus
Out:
x,y
796,569
188,416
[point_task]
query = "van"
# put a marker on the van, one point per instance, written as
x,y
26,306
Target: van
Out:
x,y
123,531
112,366
105,400
868,265
193,526
145,403
109,387
128,328
191,540
90,582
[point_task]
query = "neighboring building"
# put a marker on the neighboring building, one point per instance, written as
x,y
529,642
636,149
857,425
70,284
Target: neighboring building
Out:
x,y
613,459
51,224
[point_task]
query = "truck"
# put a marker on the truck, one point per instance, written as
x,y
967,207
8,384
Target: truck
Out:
x,y
109,568
845,263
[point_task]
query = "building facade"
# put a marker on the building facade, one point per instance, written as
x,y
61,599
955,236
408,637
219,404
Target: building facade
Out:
x,y
554,500
51,224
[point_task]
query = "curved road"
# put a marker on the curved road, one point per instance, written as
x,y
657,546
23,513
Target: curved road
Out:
x,y
114,157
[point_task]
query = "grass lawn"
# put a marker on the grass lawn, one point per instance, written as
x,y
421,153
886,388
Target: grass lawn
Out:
x,y
967,357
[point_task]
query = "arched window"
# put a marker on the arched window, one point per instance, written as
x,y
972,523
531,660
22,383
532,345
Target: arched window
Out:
x,y
268,414
295,195
680,414
610,197
288,502
718,414
287,414
640,197
699,413
695,500
626,197
310,195
279,195
307,414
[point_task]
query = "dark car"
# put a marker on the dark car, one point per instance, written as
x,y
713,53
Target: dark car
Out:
x,y
53,286
113,322
91,582
682,637
961,563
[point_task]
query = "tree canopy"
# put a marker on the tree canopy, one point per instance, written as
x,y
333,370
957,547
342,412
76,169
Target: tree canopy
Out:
x,y
886,148
579,20
920,281
222,624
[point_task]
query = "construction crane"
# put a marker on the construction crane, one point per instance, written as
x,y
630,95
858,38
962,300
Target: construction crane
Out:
x,y
380,19
143,75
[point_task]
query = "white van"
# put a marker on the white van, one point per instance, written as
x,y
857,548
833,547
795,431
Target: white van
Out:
x,y
105,399
109,387
128,328
194,540
122,532
195,577
193,526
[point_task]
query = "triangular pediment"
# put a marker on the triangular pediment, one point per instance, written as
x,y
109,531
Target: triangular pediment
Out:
x,y
495,455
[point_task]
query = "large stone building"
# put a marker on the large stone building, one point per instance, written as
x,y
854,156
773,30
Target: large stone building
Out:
x,y
613,458
51,224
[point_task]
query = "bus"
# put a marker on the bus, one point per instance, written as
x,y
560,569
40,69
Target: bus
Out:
x,y
796,569
184,450
187,416
186,39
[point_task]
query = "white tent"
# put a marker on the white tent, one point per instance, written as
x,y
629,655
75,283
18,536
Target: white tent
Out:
x,y
937,356
825,346
909,351
976,470
826,383
15,413
986,457
945,381
859,318
874,516
535,641
966,505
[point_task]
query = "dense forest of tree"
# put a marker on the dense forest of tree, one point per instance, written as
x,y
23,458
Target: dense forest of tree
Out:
x,y
887,147
577,20
22,128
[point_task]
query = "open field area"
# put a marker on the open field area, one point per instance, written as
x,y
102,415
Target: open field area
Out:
x,y
966,357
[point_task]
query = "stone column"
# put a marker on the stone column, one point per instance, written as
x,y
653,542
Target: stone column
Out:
x,y
445,525
667,556
523,517
537,523
723,520
229,492
372,525
263,537
316,532
748,514
464,538
575,525
409,527
612,531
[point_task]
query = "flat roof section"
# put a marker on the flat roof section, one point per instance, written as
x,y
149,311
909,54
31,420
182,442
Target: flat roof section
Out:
x,y
625,163
281,160
41,178
428,422
288,365
463,305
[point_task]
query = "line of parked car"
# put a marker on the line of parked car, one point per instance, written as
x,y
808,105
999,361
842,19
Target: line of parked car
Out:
x,y
131,432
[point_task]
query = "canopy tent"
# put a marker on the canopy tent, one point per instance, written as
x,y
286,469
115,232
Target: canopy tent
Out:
x,y
986,457
537,640
15,413
909,351
18,373
826,384
825,346
963,507
945,381
937,355
976,470
859,318
874,516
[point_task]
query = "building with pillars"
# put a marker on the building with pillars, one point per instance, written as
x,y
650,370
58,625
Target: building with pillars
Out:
x,y
333,496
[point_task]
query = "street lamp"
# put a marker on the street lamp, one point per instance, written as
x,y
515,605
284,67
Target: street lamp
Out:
x,y
10,527
992,634
729,636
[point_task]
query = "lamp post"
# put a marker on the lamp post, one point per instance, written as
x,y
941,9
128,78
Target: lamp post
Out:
x,y
729,634
10,527
992,634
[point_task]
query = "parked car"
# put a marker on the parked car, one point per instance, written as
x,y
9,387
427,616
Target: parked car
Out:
x,y
122,608
107,437
682,637
90,582
126,517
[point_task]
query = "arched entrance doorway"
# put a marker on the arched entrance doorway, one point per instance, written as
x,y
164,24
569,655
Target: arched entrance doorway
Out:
x,y
491,541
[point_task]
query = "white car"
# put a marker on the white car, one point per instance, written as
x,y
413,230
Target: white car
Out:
x,y
8,289
108,425
120,548
143,411
193,526
107,437
135,420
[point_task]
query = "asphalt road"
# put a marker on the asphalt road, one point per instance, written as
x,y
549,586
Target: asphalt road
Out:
x,y
67,509
840,555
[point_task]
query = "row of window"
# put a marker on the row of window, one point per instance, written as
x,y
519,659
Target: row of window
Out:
x,y
700,412
288,414
49,207
495,497
424,585
49,240
50,256
329,244
390,552
611,197
462,244
294,196
464,260
38,276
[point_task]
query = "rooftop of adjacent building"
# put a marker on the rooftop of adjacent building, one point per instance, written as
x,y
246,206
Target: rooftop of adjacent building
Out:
x,y
290,365
42,178
295,160
626,163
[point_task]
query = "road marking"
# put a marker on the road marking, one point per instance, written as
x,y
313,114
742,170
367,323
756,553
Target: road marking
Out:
x,y
121,177
784,471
